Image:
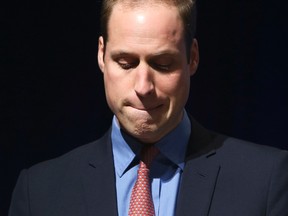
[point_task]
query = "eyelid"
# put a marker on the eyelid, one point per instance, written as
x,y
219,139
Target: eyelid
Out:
x,y
126,62
162,62
161,67
122,61
125,66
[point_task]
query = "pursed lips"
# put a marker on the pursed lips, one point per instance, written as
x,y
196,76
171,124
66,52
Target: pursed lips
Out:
x,y
142,108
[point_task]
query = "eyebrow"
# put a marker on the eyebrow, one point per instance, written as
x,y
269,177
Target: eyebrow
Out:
x,y
118,53
164,53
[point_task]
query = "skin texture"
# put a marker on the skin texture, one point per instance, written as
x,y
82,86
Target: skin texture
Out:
x,y
146,73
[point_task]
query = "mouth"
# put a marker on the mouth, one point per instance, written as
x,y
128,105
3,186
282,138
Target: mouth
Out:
x,y
147,109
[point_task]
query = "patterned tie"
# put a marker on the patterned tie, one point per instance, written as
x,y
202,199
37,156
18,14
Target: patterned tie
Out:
x,y
141,203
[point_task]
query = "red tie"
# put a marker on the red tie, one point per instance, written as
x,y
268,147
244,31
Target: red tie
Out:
x,y
141,203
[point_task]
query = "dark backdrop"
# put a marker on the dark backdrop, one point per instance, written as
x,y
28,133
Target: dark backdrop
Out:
x,y
53,98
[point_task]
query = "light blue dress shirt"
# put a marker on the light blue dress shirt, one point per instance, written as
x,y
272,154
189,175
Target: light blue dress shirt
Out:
x,y
165,171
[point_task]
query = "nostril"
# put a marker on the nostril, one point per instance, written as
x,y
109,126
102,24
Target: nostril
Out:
x,y
144,90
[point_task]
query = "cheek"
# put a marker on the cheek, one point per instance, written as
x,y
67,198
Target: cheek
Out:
x,y
175,86
112,79
116,86
111,87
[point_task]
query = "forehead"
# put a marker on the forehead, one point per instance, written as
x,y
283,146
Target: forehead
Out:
x,y
147,22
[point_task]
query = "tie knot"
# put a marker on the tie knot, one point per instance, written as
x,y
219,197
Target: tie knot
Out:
x,y
148,153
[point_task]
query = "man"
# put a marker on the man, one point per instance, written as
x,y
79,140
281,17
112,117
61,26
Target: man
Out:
x,y
147,54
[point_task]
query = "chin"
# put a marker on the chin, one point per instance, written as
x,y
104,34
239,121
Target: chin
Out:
x,y
143,127
147,137
148,133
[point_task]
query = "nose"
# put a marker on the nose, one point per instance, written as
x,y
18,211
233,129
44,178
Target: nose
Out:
x,y
144,83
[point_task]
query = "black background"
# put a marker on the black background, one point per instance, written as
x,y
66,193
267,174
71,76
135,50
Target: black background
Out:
x,y
53,99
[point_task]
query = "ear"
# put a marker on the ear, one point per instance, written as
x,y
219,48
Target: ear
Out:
x,y
101,51
194,57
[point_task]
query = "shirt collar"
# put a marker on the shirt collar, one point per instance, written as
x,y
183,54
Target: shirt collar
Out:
x,y
172,146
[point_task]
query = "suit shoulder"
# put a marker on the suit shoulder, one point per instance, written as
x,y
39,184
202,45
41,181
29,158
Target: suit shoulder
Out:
x,y
72,160
236,146
250,155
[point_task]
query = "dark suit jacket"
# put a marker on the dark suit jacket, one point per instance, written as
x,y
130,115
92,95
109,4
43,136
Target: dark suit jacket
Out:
x,y
223,176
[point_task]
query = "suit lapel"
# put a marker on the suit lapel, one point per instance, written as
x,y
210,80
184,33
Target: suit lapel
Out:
x,y
197,186
200,174
99,180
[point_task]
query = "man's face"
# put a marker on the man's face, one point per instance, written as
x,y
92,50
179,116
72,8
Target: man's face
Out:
x,y
146,72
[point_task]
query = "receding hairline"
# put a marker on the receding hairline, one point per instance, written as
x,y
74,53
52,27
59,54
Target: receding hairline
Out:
x,y
141,3
186,9
136,4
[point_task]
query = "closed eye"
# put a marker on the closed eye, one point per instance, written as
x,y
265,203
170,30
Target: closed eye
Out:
x,y
126,62
161,67
164,61
126,66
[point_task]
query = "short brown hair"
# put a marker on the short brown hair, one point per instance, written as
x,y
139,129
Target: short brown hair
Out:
x,y
186,8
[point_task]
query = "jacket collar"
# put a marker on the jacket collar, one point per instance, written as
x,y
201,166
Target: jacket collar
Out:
x,y
201,172
99,179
